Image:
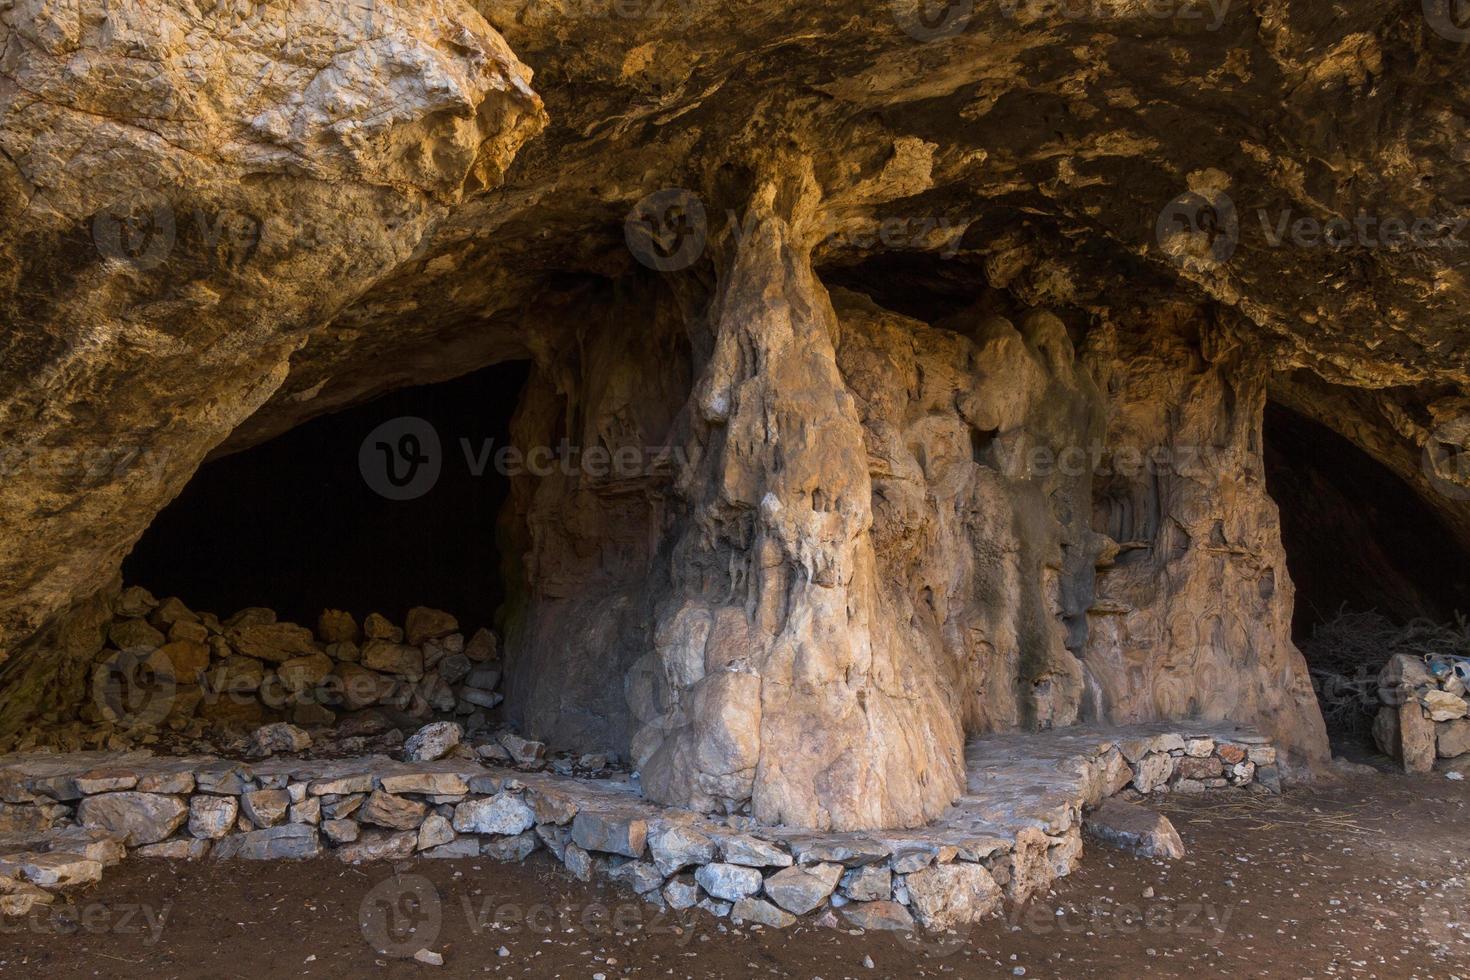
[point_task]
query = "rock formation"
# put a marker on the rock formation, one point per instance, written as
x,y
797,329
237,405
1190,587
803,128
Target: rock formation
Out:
x,y
939,341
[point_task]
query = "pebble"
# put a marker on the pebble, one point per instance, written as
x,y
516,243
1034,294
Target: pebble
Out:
x,y
429,957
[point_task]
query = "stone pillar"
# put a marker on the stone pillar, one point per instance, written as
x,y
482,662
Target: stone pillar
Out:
x,y
784,685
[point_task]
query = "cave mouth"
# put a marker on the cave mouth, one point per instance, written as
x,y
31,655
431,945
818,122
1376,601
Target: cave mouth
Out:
x,y
381,507
1371,561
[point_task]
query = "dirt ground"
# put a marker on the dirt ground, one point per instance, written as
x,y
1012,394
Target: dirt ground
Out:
x,y
1370,879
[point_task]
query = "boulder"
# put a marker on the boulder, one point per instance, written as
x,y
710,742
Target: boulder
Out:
x,y
136,818
577,861
341,831
432,742
132,634
236,674
1453,739
301,674
1443,706
425,784
265,807
681,892
675,848
611,832
764,913
182,662
398,659
511,849
752,852
482,646
59,869
730,882
393,812
800,889
1132,828
379,845
272,642
948,895
377,627
278,737
501,814
336,626
522,750
870,883
288,842
181,849
880,915
428,624
434,831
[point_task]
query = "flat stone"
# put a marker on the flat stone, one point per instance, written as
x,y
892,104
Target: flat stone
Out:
x,y
612,832
434,831
483,699
753,852
100,781
59,869
764,913
182,849
948,895
211,817
288,842
881,915
675,848
1133,828
342,807
272,642
502,814
515,848
341,785
137,818
222,778
850,852
458,849
730,882
394,812
379,845
166,782
801,888
485,677
870,883
341,831
1199,767
433,741
265,807
425,784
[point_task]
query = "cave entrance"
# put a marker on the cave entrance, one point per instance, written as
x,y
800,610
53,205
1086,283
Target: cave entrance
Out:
x,y
1376,571
378,508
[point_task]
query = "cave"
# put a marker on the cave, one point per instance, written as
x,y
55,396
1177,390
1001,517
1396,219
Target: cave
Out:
x,y
310,520
521,429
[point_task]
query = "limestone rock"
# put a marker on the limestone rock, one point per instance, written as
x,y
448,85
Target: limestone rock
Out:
x,y
394,812
278,737
265,807
432,742
184,849
884,915
58,869
425,784
870,883
764,913
948,895
681,892
501,814
272,642
1133,828
434,831
379,845
730,882
137,818
288,842
515,848
612,832
1453,739
675,847
802,888
212,817
1444,706
428,624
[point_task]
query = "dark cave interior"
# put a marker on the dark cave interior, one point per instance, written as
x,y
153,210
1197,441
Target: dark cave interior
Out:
x,y
298,524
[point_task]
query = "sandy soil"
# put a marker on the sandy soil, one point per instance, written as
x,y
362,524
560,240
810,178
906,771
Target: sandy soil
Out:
x,y
1371,879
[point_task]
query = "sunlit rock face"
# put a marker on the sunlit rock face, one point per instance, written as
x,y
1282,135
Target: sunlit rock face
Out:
x,y
944,363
